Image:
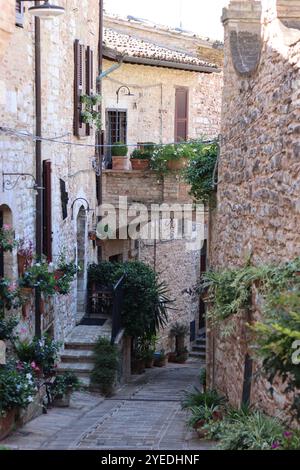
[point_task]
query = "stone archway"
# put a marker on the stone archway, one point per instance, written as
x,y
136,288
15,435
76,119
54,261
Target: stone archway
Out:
x,y
6,259
81,261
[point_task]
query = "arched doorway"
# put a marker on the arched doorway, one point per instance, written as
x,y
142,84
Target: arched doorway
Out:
x,y
81,261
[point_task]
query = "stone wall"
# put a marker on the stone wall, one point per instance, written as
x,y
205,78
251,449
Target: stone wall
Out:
x,y
7,24
72,164
151,111
258,192
176,262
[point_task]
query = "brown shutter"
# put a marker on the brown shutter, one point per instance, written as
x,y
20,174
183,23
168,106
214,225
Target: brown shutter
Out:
x,y
89,78
19,13
181,114
79,87
47,213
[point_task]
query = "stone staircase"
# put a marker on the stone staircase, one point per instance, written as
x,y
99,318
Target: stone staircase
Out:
x,y
199,348
77,356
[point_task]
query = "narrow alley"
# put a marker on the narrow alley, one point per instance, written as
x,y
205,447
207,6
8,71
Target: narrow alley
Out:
x,y
145,414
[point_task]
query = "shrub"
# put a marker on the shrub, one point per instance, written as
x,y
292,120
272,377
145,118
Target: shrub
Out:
x,y
42,351
195,397
17,388
65,383
7,327
119,149
106,365
201,414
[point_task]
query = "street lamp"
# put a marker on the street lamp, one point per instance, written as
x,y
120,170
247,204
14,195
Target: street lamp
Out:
x,y
46,11
126,94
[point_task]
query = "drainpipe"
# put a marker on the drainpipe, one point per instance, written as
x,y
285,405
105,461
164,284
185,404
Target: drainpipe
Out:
x,y
99,151
38,163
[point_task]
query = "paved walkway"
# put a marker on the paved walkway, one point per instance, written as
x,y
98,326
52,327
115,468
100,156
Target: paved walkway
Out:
x,y
145,414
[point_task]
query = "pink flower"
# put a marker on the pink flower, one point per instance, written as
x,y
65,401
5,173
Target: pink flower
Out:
x,y
287,434
19,366
275,445
33,365
6,227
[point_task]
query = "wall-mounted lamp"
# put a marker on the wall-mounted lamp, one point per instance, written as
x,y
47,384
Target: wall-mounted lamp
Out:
x,y
126,94
87,209
46,11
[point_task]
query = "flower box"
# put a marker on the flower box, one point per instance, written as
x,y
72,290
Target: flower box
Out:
x,y
140,164
175,165
7,423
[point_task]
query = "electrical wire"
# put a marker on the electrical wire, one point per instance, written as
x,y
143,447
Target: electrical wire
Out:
x,y
23,134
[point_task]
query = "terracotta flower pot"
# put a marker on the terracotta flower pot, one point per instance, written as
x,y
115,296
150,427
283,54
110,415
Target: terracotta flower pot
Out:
x,y
62,401
174,165
137,366
160,362
7,423
140,164
22,262
172,357
119,163
149,363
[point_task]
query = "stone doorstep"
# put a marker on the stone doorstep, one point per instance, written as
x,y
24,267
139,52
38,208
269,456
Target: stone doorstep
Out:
x,y
77,355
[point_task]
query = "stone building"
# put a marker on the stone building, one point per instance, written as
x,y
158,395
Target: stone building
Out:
x,y
258,192
68,177
59,175
158,68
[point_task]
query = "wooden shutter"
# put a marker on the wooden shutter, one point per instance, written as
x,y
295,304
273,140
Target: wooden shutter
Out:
x,y
181,114
19,13
47,212
79,87
89,78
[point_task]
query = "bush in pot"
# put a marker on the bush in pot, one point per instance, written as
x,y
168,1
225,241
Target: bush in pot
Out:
x,y
106,365
160,358
62,388
140,157
119,152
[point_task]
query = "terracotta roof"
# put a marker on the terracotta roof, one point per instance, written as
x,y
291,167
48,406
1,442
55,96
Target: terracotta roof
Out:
x,y
140,51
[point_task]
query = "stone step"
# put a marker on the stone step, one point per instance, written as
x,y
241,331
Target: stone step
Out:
x,y
200,341
198,347
77,355
78,345
78,369
200,355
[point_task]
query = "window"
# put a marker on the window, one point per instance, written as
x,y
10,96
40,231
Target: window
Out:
x,y
181,114
116,125
19,13
83,84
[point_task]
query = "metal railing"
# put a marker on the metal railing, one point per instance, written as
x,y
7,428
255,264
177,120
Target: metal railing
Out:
x,y
117,309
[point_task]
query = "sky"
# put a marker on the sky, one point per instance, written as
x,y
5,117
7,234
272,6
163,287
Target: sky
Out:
x,y
200,16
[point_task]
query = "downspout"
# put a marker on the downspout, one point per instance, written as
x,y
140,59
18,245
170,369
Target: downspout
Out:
x,y
99,151
38,163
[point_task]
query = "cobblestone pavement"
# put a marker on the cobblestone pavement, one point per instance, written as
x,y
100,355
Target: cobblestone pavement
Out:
x,y
144,414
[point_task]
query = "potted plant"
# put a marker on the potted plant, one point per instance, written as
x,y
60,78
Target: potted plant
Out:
x,y
38,276
140,157
89,115
137,364
160,358
182,356
42,352
119,153
24,255
17,390
9,295
62,388
7,238
7,326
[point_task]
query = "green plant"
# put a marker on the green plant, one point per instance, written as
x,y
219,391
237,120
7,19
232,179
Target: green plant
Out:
x,y
41,351
146,301
106,365
39,276
64,384
7,238
274,339
17,388
7,326
199,172
144,153
144,346
9,295
179,329
119,149
202,379
88,114
201,414
254,431
194,397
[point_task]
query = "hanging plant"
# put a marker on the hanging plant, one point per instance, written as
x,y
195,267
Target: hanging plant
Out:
x,y
89,115
9,295
7,238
